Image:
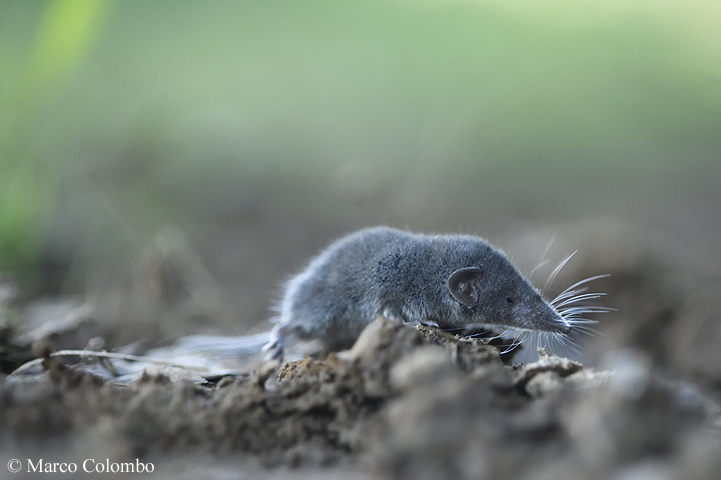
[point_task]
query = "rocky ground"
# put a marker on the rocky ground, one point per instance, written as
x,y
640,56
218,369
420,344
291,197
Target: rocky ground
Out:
x,y
405,402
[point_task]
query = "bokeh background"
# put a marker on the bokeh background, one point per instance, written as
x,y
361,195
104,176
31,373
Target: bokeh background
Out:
x,y
173,162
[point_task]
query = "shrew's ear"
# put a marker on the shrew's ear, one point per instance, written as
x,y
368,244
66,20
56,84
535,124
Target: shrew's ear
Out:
x,y
465,285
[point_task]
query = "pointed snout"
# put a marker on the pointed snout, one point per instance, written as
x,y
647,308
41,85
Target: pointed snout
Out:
x,y
565,328
557,323
545,318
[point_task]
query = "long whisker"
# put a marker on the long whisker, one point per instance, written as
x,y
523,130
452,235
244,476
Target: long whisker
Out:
x,y
497,336
544,261
566,340
548,246
568,294
517,341
585,280
555,271
575,322
580,298
570,312
541,264
592,332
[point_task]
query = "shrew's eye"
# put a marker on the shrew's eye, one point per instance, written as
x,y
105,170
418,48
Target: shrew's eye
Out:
x,y
509,300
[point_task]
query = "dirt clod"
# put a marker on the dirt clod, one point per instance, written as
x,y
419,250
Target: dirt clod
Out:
x,y
404,402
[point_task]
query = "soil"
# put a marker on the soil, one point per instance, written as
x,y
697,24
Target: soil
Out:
x,y
406,402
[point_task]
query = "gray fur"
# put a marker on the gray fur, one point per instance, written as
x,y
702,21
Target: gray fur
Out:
x,y
449,280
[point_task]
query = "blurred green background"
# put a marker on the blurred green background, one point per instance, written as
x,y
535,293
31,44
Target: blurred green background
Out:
x,y
262,129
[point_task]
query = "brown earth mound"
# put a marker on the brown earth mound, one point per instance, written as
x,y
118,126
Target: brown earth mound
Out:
x,y
405,402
